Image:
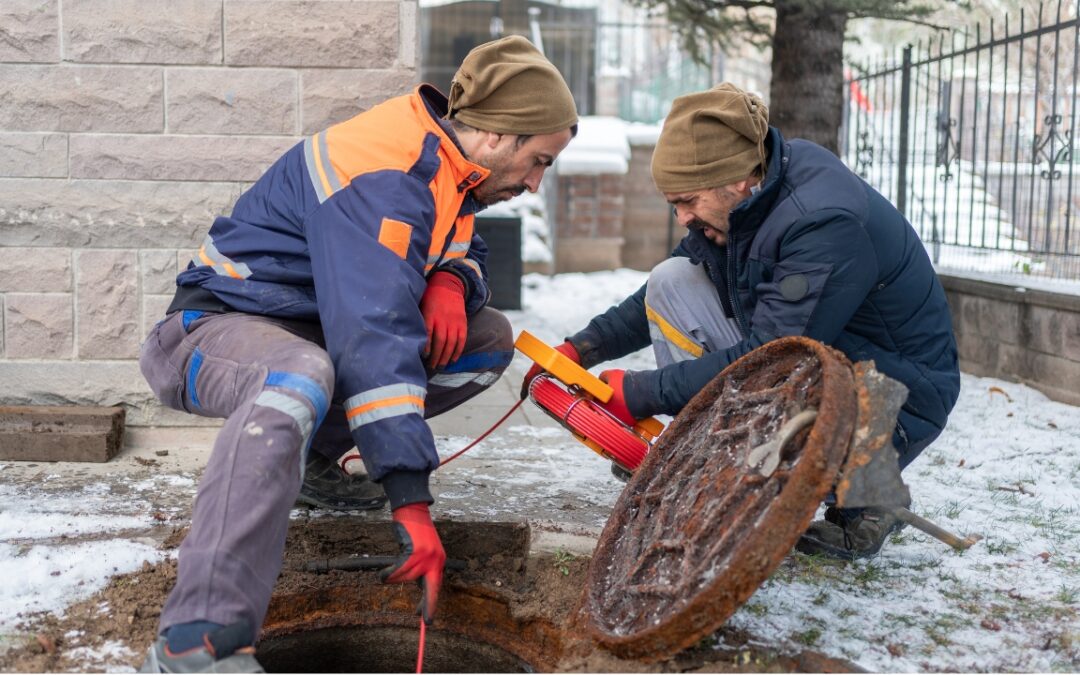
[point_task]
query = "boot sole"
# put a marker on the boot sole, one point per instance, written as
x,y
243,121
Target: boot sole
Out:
x,y
358,505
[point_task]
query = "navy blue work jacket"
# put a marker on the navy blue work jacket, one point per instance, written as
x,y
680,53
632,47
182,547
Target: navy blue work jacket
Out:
x,y
815,252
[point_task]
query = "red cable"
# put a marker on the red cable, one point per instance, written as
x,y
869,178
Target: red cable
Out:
x,y
420,653
485,434
587,419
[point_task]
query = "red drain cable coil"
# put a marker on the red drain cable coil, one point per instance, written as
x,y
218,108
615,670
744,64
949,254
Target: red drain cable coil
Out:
x,y
586,418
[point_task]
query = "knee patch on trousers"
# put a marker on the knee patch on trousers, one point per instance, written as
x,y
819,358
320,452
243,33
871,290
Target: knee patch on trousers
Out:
x,y
307,419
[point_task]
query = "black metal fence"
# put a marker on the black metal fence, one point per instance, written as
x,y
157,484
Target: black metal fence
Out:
x,y
971,136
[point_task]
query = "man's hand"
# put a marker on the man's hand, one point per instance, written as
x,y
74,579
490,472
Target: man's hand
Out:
x,y
422,555
617,405
566,349
443,307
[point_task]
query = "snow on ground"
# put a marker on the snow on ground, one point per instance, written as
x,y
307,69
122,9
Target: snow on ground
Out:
x,y
1007,468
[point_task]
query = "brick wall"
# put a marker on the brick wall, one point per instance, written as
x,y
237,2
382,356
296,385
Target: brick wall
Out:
x,y
648,231
125,127
589,222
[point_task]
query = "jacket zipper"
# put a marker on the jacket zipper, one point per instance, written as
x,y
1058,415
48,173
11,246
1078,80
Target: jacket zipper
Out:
x,y
735,306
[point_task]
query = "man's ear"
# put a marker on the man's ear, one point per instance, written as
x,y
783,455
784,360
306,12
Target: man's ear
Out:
x,y
744,185
492,139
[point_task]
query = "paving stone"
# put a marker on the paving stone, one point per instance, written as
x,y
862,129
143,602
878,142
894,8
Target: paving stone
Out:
x,y
33,155
142,31
29,31
60,434
81,98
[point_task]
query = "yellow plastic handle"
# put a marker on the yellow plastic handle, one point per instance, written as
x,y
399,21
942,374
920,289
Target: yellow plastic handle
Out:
x,y
562,368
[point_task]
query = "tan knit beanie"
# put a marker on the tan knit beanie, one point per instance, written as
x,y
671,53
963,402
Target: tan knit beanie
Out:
x,y
509,87
711,138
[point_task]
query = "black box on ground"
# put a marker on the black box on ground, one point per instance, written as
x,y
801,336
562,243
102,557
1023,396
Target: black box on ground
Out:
x,y
503,238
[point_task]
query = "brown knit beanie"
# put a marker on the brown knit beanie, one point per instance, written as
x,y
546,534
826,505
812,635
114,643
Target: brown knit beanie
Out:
x,y
509,87
711,138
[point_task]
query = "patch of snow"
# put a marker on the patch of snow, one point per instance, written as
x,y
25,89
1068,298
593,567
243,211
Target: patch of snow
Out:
x,y
600,147
47,578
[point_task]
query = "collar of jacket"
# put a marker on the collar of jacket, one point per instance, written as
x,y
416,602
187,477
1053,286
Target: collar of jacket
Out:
x,y
748,215
467,174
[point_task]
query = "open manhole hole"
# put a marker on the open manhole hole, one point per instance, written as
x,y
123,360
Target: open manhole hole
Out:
x,y
490,617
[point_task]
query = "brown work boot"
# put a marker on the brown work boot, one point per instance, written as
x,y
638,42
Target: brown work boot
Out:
x,y
847,534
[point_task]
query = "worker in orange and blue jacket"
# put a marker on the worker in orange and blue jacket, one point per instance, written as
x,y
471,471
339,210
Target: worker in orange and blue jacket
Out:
x,y
341,304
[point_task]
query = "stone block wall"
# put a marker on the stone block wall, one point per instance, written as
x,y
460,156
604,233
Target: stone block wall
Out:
x,y
126,126
1019,334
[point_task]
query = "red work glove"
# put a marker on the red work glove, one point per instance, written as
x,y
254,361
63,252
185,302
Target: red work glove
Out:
x,y
566,349
617,405
443,307
422,555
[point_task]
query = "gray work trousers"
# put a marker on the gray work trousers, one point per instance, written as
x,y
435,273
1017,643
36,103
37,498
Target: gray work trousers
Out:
x,y
685,316
273,382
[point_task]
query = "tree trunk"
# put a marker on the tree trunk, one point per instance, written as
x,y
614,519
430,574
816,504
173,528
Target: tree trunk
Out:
x,y
806,98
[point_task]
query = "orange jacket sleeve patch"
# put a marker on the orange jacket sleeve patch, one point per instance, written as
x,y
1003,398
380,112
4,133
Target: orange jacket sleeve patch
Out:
x,y
395,235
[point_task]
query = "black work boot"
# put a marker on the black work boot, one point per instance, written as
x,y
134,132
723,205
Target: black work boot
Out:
x,y
328,487
849,533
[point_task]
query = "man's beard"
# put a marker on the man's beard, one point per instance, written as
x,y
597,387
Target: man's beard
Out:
x,y
494,195
708,230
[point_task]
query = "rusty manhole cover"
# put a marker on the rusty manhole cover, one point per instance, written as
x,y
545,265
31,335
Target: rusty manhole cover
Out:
x,y
698,529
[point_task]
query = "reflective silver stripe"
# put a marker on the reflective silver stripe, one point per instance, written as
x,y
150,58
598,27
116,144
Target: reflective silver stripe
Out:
x,y
313,172
296,410
455,380
432,259
219,261
677,353
324,154
458,247
370,400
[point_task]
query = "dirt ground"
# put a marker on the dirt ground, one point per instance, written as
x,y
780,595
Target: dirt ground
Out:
x,y
498,579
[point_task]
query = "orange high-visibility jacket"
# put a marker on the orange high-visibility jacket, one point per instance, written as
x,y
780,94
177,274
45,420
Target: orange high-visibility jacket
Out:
x,y
344,229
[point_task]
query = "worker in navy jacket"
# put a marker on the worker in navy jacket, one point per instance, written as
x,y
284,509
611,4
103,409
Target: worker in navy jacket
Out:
x,y
341,304
783,240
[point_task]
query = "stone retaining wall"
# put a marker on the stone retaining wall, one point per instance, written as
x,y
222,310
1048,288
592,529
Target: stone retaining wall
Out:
x,y
1018,334
125,127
